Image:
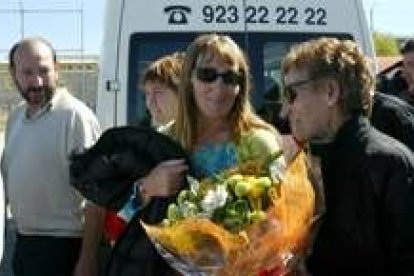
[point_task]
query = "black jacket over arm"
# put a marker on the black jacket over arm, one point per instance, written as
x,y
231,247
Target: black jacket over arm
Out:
x,y
105,174
368,228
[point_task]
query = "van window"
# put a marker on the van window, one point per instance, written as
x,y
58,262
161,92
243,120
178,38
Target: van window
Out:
x,y
265,52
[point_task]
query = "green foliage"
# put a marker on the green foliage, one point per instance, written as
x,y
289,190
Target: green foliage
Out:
x,y
385,44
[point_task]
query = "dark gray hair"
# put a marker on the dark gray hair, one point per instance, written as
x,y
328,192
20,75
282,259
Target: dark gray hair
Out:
x,y
407,47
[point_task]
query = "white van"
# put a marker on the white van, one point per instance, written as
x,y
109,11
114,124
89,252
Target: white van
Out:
x,y
139,31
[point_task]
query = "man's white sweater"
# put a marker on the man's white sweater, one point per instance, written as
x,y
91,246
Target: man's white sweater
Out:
x,y
35,165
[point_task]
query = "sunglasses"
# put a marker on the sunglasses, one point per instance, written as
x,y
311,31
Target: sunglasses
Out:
x,y
290,90
209,75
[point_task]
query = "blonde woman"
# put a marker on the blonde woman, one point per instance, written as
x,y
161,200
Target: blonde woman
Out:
x,y
216,123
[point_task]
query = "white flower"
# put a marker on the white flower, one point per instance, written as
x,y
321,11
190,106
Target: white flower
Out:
x,y
277,168
194,184
214,199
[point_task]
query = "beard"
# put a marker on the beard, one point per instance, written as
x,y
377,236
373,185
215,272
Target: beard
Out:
x,y
37,96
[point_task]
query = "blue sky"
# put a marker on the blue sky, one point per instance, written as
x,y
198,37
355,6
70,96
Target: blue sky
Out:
x,y
64,28
391,16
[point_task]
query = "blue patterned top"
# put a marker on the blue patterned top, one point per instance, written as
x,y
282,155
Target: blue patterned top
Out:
x,y
211,159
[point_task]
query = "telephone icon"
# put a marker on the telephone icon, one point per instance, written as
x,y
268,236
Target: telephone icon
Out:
x,y
178,14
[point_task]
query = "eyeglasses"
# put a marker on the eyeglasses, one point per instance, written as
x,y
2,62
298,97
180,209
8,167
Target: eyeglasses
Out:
x,y
209,75
290,90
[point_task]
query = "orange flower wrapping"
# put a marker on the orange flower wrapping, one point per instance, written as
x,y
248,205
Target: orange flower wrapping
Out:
x,y
198,240
285,230
262,247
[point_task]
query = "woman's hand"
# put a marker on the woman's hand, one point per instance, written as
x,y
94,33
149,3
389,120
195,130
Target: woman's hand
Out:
x,y
165,179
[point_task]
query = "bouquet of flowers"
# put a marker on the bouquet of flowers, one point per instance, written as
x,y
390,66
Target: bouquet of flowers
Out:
x,y
251,219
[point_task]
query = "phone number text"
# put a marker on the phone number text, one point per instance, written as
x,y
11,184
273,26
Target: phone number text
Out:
x,y
265,15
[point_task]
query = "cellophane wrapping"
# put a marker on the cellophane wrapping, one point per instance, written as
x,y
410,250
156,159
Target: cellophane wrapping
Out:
x,y
267,238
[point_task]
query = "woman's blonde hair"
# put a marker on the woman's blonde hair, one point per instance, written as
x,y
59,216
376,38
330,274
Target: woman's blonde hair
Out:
x,y
242,118
165,70
341,60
